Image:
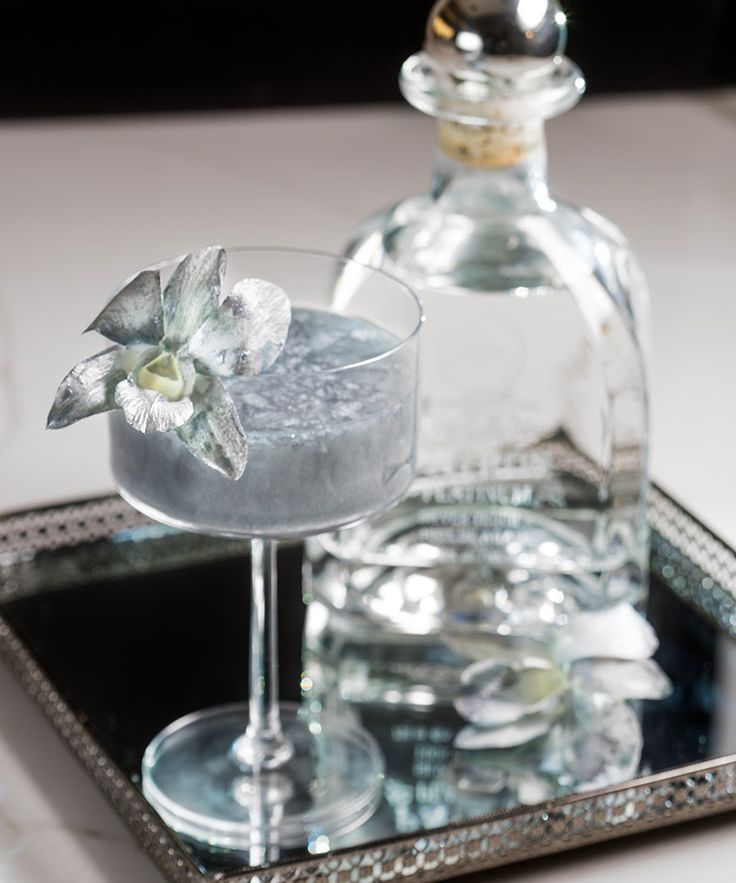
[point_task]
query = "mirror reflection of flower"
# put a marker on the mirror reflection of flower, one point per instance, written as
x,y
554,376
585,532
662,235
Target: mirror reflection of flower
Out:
x,y
549,717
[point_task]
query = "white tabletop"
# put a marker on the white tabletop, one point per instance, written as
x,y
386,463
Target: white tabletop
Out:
x,y
85,203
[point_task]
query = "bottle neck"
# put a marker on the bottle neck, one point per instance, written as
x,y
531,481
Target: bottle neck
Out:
x,y
498,167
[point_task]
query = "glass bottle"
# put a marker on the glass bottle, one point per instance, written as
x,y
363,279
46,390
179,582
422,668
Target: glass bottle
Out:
x,y
530,502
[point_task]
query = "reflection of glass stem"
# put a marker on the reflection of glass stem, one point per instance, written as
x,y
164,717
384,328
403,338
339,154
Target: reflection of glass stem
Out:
x,y
263,746
263,797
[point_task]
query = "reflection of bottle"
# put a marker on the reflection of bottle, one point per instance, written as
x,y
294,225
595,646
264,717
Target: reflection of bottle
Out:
x,y
533,433
531,722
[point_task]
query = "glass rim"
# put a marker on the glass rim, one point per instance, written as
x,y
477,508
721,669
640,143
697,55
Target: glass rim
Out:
x,y
403,340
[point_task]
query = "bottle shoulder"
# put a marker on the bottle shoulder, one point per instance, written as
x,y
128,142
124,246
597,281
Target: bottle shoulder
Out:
x,y
605,253
547,247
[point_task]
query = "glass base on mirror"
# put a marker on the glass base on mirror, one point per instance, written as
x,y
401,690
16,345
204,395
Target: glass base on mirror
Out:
x,y
192,777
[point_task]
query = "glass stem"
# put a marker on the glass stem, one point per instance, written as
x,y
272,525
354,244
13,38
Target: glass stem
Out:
x,y
263,746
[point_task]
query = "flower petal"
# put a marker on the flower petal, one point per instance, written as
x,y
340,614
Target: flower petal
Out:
x,y
472,738
618,633
192,294
621,678
148,411
532,788
135,314
476,778
246,334
513,771
498,692
602,746
214,435
135,356
89,388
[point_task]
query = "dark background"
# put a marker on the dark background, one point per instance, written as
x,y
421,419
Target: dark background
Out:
x,y
127,57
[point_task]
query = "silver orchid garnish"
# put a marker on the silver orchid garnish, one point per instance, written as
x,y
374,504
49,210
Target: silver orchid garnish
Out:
x,y
172,349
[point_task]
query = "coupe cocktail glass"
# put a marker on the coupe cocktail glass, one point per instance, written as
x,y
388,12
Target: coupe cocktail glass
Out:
x,y
330,429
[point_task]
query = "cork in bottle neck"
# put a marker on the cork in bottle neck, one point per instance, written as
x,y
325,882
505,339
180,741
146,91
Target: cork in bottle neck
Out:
x,y
499,145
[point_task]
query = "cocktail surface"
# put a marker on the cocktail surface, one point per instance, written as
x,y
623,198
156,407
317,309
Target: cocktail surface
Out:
x,y
330,429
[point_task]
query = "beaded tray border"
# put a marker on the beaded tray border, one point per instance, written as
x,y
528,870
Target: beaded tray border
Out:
x,y
691,560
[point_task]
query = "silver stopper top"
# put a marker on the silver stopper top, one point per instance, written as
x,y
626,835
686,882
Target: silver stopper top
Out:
x,y
493,60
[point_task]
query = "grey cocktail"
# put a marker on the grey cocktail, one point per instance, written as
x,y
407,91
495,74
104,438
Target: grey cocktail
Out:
x,y
326,446
258,416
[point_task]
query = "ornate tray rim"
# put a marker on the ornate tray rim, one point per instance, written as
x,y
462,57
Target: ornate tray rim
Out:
x,y
689,792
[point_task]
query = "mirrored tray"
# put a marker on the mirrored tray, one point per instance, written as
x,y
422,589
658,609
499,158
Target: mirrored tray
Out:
x,y
116,626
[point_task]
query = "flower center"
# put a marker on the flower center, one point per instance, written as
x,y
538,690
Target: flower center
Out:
x,y
163,375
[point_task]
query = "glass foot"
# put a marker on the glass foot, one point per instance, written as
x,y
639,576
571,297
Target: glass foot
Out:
x,y
331,784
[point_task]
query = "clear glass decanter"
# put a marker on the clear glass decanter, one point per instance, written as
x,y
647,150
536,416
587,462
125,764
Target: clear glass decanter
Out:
x,y
530,501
